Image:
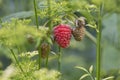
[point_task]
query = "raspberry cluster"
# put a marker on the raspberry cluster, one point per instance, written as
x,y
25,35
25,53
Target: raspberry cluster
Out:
x,y
62,35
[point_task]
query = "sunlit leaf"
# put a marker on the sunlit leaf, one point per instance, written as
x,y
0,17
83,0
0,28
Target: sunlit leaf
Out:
x,y
91,69
108,78
82,68
84,76
53,53
29,54
92,26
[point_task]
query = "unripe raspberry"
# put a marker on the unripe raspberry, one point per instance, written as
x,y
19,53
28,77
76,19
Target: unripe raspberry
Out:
x,y
62,35
30,38
45,49
79,31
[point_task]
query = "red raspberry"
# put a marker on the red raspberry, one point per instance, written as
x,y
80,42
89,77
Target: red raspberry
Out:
x,y
62,35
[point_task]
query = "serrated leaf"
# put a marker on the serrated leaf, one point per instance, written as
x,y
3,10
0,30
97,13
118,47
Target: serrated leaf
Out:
x,y
82,68
111,77
84,76
91,69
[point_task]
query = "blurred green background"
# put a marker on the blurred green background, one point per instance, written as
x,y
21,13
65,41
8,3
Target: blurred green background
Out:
x,y
79,53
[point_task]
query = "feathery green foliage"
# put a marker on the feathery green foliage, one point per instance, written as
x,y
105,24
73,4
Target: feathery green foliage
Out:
x,y
17,33
31,71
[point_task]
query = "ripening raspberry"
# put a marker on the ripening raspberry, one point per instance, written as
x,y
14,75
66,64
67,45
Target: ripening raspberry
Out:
x,y
45,49
79,31
62,35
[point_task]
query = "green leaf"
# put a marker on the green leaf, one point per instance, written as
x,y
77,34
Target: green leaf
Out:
x,y
82,68
53,53
91,69
38,42
84,76
24,14
92,26
108,78
49,41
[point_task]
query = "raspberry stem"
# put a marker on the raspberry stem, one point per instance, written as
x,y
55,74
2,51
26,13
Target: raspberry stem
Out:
x,y
90,36
49,13
36,18
59,58
40,58
98,51
47,59
50,26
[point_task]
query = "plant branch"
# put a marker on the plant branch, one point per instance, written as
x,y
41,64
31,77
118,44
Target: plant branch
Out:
x,y
59,59
91,37
50,25
98,55
16,60
36,16
39,57
49,14
47,59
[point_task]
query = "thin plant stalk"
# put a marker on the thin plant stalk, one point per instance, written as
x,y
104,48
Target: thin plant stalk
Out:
x,y
36,19
11,50
36,16
47,59
50,26
49,14
39,58
91,37
98,56
59,58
